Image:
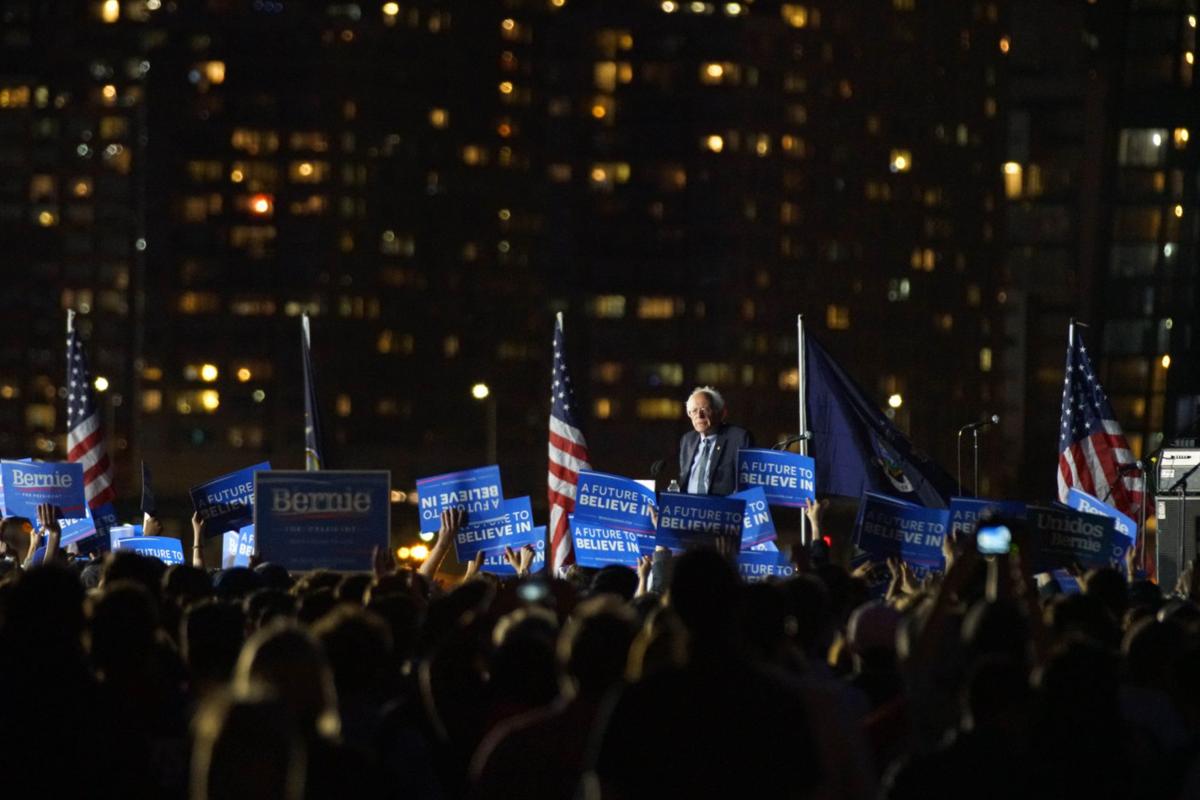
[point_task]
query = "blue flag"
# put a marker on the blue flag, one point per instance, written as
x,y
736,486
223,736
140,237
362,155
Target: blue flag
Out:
x,y
855,447
313,455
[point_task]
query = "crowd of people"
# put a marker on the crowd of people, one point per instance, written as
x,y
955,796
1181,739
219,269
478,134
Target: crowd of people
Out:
x,y
125,677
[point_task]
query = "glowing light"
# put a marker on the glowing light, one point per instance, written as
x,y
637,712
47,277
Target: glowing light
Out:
x,y
260,204
715,143
45,219
210,399
110,11
237,176
208,372
1191,20
1012,168
480,391
258,396
101,383
1157,139
901,161
1166,362
669,7
426,536
391,9
714,70
508,24
1178,210
733,9
1189,57
558,3
305,169
109,91
599,112
402,553
1005,44
506,87
243,374
420,552
895,401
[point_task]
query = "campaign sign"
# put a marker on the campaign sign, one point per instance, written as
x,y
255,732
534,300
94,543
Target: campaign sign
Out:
x,y
227,502
237,548
696,520
788,479
325,519
1062,536
164,548
755,567
601,545
966,511
889,527
104,516
511,527
74,530
494,562
758,526
1082,501
27,484
477,491
615,502
764,547
119,533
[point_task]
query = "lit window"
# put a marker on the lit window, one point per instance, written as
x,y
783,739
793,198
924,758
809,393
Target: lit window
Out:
x,y
837,318
110,10
658,408
1181,137
608,371
663,374
308,171
604,75
439,118
899,289
608,306
14,96
794,15
603,408
714,73
1005,44
793,146
900,161
559,173
315,141
608,174
450,346
659,307
789,380
714,143
152,400
342,405
474,155
985,359
253,141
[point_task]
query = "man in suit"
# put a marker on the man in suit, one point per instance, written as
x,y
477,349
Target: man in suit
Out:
x,y
708,452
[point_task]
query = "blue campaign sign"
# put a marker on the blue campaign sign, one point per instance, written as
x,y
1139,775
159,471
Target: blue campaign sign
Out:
x,y
757,566
104,516
27,484
164,548
890,527
75,530
696,520
1062,536
765,547
512,526
966,511
758,526
119,533
324,519
477,491
601,545
1082,501
227,502
788,479
237,547
493,560
613,501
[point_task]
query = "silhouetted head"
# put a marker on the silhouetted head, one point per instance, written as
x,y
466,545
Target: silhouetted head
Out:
x,y
288,661
593,647
247,747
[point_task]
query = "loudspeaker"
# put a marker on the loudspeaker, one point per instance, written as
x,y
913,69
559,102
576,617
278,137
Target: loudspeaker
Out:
x,y
1174,464
1176,523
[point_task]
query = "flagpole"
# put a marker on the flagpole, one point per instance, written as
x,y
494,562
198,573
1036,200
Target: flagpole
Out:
x,y
804,533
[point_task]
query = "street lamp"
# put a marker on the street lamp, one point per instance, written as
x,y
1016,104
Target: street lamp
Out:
x,y
483,394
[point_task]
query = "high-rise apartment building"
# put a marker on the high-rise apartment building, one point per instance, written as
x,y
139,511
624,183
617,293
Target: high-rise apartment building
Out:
x,y
432,180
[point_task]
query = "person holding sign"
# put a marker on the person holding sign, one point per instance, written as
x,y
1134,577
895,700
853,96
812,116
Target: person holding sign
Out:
x,y
708,452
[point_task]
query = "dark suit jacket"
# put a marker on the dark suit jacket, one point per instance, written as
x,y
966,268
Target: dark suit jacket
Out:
x,y
723,472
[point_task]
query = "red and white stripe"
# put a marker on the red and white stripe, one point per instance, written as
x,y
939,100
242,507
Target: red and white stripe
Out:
x,y
568,456
1090,465
85,444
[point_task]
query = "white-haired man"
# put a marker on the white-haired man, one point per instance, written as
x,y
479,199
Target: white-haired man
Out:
x,y
708,452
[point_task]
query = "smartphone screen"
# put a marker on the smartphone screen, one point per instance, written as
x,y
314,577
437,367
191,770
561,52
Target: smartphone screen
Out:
x,y
993,539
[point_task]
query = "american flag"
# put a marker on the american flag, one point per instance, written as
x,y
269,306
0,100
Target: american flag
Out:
x,y
85,436
1093,454
568,455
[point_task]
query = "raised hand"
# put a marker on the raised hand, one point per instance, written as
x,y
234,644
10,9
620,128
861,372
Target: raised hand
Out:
x,y
198,526
473,567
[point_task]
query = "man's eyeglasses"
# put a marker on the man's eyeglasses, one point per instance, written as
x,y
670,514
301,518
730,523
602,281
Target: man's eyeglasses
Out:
x,y
699,412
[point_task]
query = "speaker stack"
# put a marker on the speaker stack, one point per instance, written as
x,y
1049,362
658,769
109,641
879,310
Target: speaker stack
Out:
x,y
1177,508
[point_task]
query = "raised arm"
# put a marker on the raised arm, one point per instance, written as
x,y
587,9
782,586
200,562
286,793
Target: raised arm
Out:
x,y
452,520
197,541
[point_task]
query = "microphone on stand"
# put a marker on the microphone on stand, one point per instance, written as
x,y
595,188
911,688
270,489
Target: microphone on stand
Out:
x,y
799,437
983,423
1136,466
